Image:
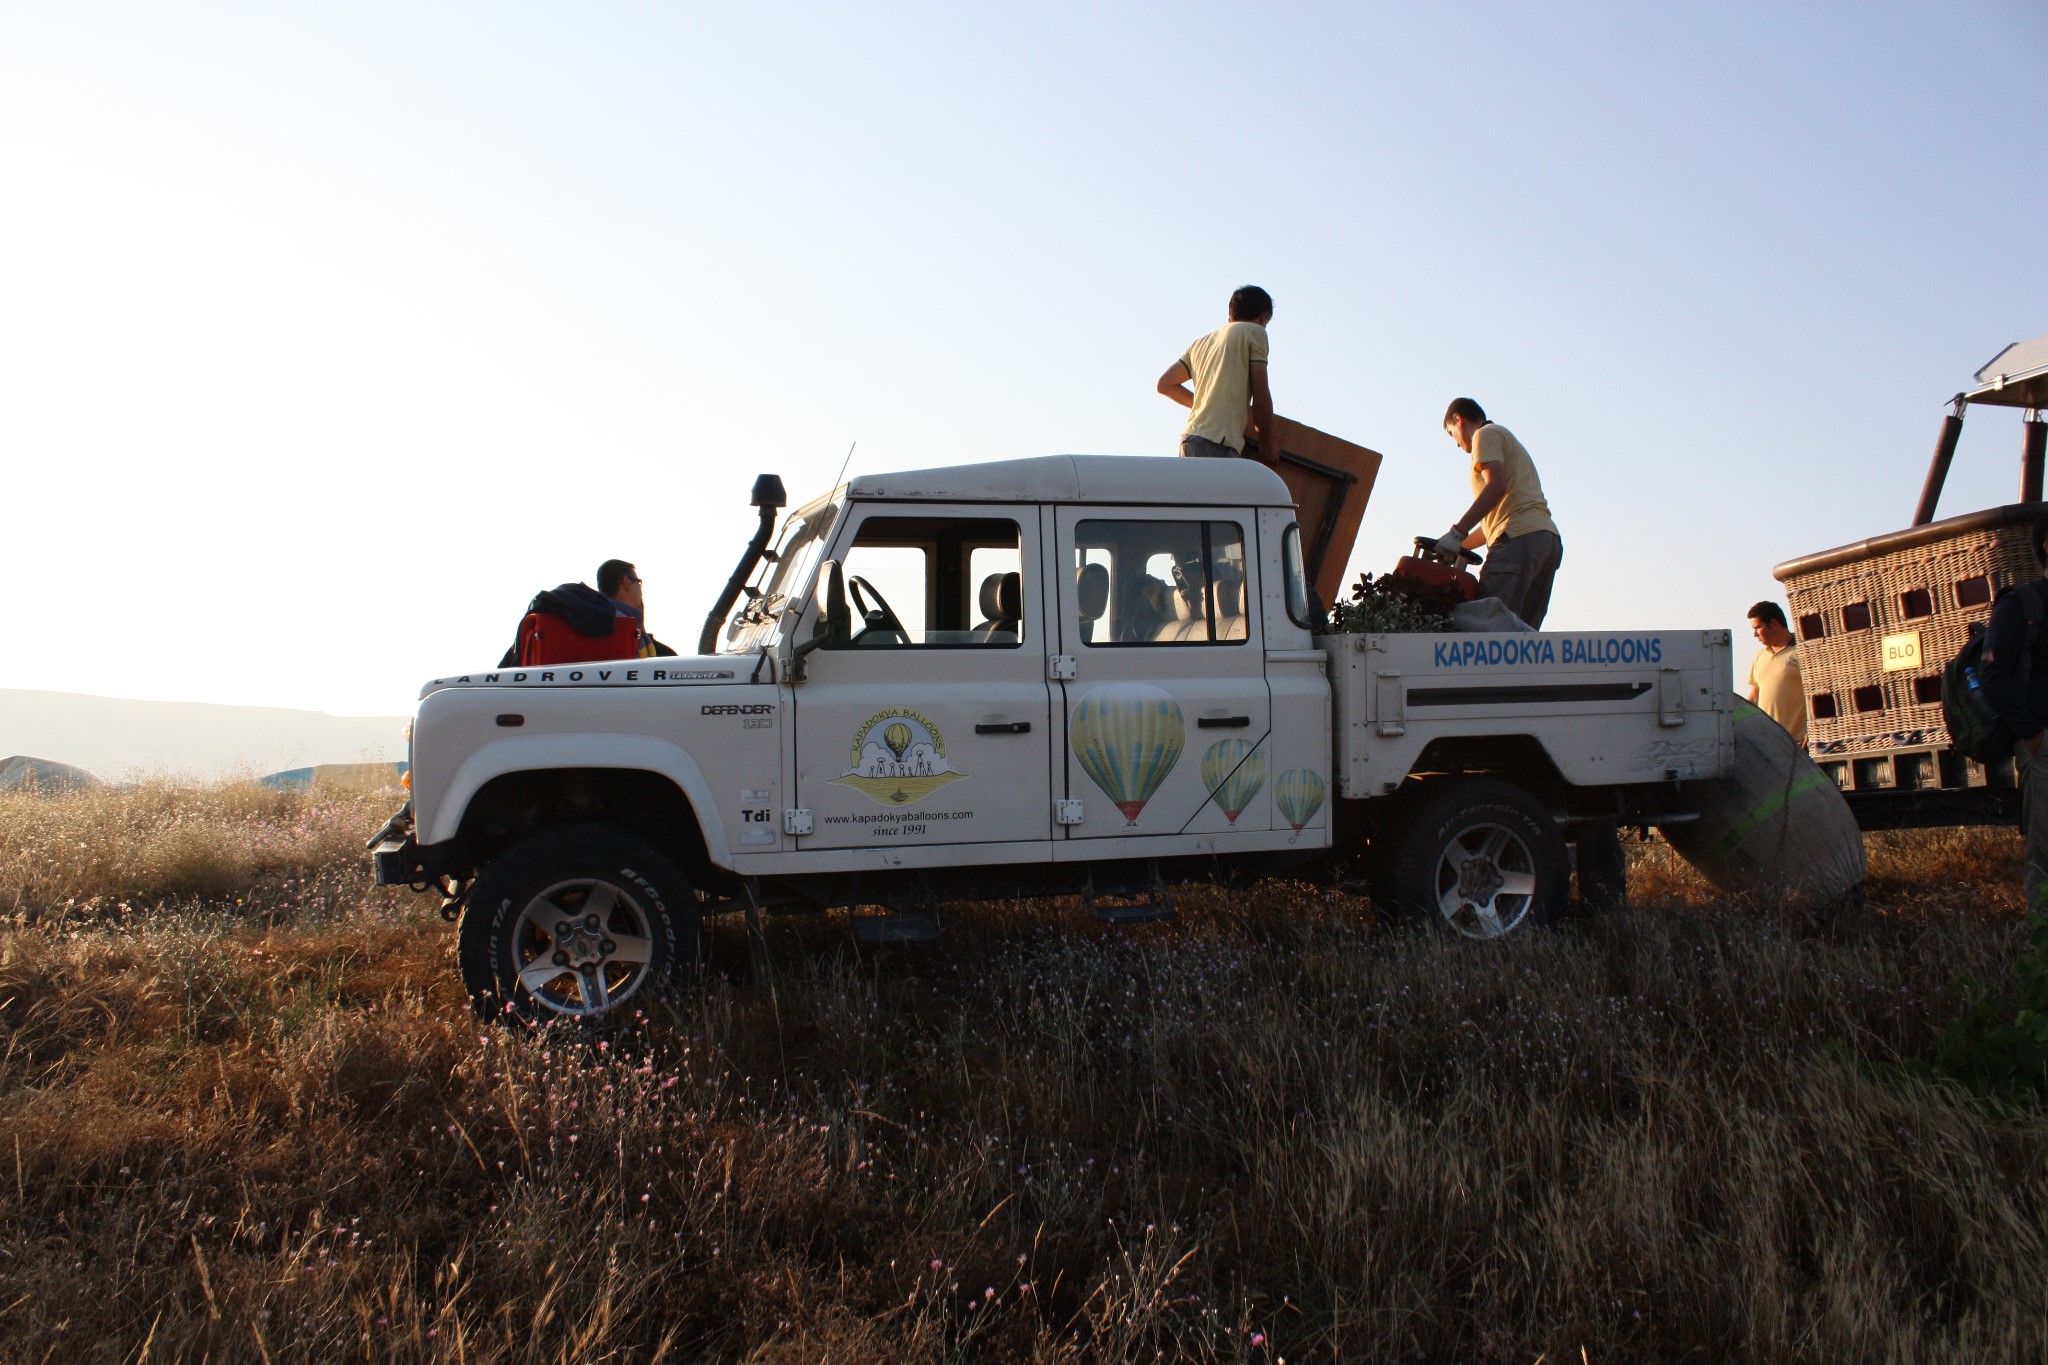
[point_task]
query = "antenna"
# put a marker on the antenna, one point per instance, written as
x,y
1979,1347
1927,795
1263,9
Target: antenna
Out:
x,y
843,464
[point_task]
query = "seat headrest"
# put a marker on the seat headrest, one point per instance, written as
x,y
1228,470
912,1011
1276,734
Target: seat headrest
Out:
x,y
1229,590
1091,591
1002,596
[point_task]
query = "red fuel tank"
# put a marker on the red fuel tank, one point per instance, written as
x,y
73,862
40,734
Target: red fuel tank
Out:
x,y
552,640
1425,574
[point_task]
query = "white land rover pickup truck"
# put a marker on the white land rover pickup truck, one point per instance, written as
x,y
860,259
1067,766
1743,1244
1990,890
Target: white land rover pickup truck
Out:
x,y
1085,675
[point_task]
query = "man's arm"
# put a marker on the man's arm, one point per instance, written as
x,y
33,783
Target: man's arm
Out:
x,y
2004,641
1262,409
1488,499
1174,384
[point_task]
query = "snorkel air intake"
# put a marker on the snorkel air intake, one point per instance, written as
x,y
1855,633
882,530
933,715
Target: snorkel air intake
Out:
x,y
769,497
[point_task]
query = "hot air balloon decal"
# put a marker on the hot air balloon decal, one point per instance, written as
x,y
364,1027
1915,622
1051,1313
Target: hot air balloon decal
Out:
x,y
1299,794
1127,737
1233,771
897,737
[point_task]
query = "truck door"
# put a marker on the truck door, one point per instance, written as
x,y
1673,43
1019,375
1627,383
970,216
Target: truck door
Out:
x,y
933,725
1166,721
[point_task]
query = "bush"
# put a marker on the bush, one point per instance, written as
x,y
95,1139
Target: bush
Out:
x,y
1390,605
1999,1043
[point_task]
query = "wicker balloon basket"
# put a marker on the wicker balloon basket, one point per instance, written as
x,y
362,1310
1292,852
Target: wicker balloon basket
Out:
x,y
1878,621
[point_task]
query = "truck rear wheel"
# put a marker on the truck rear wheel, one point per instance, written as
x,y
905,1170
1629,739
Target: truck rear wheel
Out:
x,y
1476,857
580,923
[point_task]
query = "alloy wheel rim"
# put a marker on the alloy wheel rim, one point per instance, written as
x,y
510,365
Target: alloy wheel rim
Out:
x,y
1485,881
582,947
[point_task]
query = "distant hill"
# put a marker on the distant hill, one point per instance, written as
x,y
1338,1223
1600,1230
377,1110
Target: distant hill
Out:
x,y
365,777
119,738
43,775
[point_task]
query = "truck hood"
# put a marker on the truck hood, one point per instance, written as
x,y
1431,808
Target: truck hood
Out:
x,y
682,670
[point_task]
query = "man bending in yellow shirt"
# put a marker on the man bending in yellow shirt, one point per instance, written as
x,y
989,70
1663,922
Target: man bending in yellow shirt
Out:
x,y
1508,515
1228,367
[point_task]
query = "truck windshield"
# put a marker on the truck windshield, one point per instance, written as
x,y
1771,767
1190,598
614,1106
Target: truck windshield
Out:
x,y
784,570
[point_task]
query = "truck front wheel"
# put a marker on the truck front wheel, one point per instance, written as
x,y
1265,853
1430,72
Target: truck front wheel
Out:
x,y
1477,857
578,923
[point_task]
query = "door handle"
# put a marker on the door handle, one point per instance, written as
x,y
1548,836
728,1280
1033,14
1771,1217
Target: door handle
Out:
x,y
1005,727
1223,722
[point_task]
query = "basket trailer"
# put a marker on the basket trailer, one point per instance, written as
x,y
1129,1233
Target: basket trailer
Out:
x,y
1878,620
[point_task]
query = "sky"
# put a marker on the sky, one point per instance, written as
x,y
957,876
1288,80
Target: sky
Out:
x,y
330,334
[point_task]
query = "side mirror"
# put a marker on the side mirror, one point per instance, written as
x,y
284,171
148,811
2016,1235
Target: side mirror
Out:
x,y
831,623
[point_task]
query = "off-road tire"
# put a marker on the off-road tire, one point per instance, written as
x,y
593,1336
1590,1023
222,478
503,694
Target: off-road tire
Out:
x,y
519,966
1475,857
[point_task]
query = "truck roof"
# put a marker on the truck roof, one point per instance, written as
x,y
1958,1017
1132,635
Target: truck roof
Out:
x,y
1086,478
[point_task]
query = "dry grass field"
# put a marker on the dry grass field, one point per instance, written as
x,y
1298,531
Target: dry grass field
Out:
x,y
245,1114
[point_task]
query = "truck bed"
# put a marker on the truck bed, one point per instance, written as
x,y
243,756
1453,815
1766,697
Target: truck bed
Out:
x,y
1607,708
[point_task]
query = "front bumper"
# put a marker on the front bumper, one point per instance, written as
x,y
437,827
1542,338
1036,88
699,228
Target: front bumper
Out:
x,y
397,859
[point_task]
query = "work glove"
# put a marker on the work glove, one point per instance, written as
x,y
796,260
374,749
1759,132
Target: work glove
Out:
x,y
1450,542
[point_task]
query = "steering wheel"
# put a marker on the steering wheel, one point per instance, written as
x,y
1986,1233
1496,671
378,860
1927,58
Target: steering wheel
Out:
x,y
877,616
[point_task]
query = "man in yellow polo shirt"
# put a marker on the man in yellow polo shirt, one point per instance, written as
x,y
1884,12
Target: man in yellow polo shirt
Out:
x,y
1230,398
1774,681
1508,515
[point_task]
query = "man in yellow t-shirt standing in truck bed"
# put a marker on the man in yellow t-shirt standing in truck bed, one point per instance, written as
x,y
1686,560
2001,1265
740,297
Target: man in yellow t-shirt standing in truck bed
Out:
x,y
1508,515
1228,367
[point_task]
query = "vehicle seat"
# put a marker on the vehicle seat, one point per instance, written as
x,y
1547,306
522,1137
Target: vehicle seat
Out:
x,y
1190,613
1149,607
1001,607
1230,622
1091,594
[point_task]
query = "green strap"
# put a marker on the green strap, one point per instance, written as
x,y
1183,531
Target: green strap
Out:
x,y
1764,810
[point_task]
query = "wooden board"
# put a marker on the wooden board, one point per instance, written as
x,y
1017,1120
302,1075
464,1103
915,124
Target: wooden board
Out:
x,y
1331,480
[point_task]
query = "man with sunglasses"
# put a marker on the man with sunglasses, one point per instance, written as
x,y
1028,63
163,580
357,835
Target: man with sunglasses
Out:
x,y
573,623
620,582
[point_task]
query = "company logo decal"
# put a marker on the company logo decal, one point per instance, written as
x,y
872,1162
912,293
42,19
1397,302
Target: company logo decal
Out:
x,y
899,757
1534,649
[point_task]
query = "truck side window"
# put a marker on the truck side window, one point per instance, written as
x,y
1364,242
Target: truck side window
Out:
x,y
1297,578
1160,582
935,583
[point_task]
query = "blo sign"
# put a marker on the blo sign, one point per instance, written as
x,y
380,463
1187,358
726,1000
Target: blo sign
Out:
x,y
1902,651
